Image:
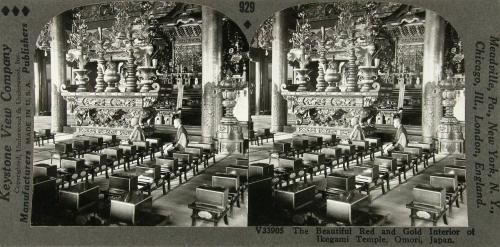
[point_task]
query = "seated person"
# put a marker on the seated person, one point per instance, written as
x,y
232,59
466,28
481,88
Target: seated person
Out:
x,y
357,131
181,139
400,139
137,133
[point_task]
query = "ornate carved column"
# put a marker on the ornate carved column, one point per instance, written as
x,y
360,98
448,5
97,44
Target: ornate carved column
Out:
x,y
58,74
279,74
451,139
41,92
432,71
211,72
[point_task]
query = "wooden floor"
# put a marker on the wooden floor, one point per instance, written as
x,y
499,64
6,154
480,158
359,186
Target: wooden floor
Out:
x,y
391,207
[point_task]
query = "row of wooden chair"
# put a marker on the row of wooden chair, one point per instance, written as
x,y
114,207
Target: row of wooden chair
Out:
x,y
258,137
40,136
440,194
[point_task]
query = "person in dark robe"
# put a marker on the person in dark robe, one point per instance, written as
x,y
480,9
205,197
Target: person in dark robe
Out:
x,y
357,131
400,140
181,140
138,133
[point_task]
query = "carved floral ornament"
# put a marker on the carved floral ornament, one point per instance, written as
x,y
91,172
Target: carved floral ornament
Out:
x,y
342,101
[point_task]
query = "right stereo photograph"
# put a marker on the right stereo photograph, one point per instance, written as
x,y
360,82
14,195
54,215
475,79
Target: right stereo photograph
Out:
x,y
357,118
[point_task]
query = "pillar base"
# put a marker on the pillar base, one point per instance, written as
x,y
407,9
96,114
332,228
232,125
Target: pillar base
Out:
x,y
451,146
450,136
230,136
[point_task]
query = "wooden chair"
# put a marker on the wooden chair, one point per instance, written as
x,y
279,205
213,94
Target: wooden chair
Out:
x,y
428,151
169,167
95,163
254,138
185,162
332,153
114,154
450,183
144,149
197,157
46,134
417,155
129,153
209,150
403,162
60,151
387,165
230,182
314,162
299,145
361,148
375,145
347,151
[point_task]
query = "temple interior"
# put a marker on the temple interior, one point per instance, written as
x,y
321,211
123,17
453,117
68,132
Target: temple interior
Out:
x,y
112,82
334,82
333,114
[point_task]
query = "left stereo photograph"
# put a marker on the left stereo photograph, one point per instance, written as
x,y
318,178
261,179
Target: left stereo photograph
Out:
x,y
141,117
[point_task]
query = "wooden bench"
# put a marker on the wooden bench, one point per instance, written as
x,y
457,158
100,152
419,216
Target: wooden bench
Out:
x,y
149,177
254,138
403,162
315,143
46,134
329,140
214,201
115,154
60,151
362,148
168,167
460,171
283,149
375,144
287,166
243,174
347,151
430,199
300,145
71,170
388,165
197,157
332,153
416,156
143,149
232,183
185,161
97,162
435,213
129,153
209,150
314,162
265,134
428,151
156,145
366,174
450,183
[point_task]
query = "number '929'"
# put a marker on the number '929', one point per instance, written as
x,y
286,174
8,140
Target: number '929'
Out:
x,y
247,7
269,230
